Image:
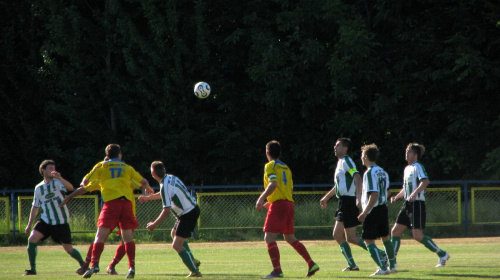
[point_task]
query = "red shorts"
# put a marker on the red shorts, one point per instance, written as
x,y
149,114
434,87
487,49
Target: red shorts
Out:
x,y
280,216
117,212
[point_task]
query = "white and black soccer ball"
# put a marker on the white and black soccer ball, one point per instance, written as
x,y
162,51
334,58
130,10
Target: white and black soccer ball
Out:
x,y
202,90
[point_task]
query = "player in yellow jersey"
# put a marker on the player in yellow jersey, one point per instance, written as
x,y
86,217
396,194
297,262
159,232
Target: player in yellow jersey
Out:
x,y
115,177
278,186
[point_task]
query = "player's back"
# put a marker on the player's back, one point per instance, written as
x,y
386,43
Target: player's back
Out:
x,y
115,177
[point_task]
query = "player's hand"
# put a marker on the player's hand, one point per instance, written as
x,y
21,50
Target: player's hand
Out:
x,y
266,205
394,199
259,204
150,190
151,226
55,174
143,198
323,203
28,229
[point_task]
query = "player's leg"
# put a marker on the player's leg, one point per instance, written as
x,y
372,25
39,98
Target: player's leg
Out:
x,y
184,229
339,233
62,234
88,258
418,222
100,237
119,254
402,223
32,248
312,267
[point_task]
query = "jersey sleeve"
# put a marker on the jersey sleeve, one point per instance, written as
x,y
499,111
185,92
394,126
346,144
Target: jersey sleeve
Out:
x,y
36,198
270,172
350,166
93,175
165,198
93,186
135,175
421,174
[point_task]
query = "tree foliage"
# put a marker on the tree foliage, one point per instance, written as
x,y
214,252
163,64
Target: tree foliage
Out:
x,y
77,75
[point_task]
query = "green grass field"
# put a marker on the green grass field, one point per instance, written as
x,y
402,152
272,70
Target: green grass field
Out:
x,y
471,258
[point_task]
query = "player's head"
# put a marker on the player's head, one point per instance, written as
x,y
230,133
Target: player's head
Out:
x,y
342,147
414,152
158,170
113,151
46,167
369,153
273,150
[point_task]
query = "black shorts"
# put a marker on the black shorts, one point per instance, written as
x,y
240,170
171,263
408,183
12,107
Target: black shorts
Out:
x,y
412,215
186,223
376,223
347,212
60,233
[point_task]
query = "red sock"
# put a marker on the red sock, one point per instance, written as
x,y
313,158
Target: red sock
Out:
x,y
274,254
120,252
130,249
96,253
88,258
301,249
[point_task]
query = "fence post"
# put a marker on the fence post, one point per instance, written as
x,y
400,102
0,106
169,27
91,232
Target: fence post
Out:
x,y
13,210
466,208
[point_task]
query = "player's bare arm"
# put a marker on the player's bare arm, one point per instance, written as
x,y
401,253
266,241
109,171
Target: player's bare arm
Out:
x,y
145,184
33,214
421,186
262,198
371,202
163,215
146,198
79,191
400,194
324,200
359,188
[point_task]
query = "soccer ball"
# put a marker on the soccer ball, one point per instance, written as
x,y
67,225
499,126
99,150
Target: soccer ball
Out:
x,y
202,90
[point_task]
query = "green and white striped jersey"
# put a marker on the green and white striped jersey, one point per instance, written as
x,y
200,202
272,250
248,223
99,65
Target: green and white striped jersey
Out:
x,y
375,179
48,196
174,194
344,181
412,175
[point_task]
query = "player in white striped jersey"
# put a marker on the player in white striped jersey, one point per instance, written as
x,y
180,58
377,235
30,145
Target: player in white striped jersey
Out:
x,y
375,214
54,219
412,214
177,200
347,189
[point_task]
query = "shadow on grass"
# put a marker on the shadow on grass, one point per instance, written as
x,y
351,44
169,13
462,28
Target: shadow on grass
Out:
x,y
466,276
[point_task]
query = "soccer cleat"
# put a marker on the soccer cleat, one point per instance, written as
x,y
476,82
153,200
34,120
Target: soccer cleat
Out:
x,y
355,268
312,270
273,274
29,272
380,272
131,273
197,263
442,260
81,270
96,269
89,272
111,270
194,274
393,270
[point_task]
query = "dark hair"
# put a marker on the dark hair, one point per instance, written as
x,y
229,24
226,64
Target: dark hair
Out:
x,y
158,168
346,142
371,152
417,149
274,149
44,165
112,151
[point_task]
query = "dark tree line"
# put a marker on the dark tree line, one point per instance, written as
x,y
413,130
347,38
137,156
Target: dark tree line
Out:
x,y
77,75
